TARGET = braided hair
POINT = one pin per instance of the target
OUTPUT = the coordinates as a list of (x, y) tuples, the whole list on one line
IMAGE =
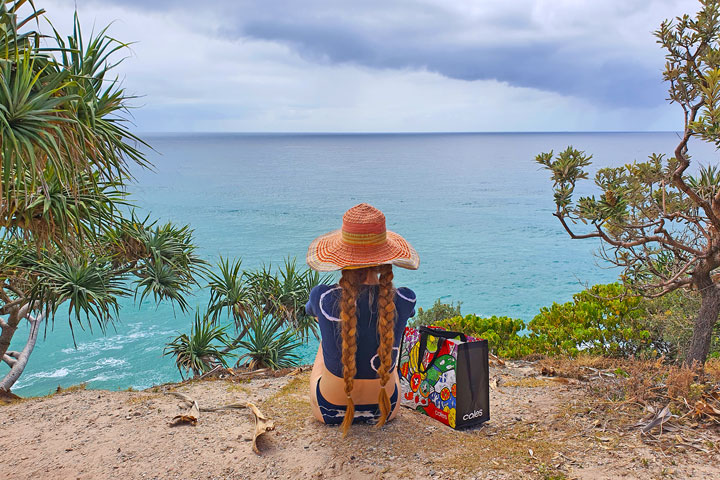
[(350, 283), (386, 332)]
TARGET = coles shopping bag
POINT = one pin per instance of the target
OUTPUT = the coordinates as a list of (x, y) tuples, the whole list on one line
[(445, 375)]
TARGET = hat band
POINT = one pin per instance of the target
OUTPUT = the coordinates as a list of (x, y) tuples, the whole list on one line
[(364, 238)]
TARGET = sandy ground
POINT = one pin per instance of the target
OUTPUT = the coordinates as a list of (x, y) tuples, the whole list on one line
[(540, 428)]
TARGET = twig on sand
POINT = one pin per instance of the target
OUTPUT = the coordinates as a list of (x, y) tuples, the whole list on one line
[(262, 423), (192, 416), (190, 400)]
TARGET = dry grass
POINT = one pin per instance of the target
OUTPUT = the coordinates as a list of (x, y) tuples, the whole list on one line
[(71, 388), (529, 382), (625, 393), (679, 381), (142, 398), (291, 404), (235, 387), (712, 369)]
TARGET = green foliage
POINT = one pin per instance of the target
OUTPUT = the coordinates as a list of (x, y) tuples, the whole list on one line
[(604, 320), (438, 312), (269, 344), (282, 295), (61, 117), (200, 351), (670, 319), (267, 310), (502, 333)]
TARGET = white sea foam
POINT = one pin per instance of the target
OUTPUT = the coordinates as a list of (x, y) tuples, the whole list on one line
[(111, 362), (114, 342), (105, 377), (59, 373), (26, 380)]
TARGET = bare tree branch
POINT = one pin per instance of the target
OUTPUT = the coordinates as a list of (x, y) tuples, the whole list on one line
[(21, 361), (9, 360), (5, 309), (677, 176)]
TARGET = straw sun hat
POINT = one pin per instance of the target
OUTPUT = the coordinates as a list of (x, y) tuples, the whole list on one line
[(363, 241)]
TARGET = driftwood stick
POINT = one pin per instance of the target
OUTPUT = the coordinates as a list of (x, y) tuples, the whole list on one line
[(262, 425)]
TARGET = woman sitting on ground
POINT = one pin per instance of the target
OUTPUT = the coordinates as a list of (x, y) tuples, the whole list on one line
[(362, 320)]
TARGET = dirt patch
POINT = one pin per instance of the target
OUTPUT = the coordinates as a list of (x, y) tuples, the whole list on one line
[(540, 428)]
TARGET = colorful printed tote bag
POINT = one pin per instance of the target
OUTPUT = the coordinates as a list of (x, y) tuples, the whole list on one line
[(444, 375)]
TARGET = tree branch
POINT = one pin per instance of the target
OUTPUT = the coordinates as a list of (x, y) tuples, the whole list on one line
[(667, 240), (22, 359), (5, 309), (570, 232), (667, 289), (684, 163), (9, 360), (642, 241), (14, 289)]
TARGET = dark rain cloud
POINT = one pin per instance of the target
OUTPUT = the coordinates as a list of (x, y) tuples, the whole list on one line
[(419, 35)]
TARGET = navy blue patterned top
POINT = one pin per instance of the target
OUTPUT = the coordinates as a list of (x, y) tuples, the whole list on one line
[(324, 304)]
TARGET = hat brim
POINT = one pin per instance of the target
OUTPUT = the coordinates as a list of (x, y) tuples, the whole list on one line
[(328, 253)]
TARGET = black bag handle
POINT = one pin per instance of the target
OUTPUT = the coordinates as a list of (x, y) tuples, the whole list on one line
[(442, 335), (439, 332)]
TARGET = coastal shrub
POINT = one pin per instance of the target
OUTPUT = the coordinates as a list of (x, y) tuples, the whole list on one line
[(201, 350), (439, 311), (243, 295), (670, 319), (502, 333), (604, 320)]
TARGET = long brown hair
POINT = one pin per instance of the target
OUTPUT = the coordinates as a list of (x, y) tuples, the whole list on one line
[(350, 283)]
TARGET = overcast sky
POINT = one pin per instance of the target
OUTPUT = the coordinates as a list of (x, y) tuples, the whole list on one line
[(389, 65)]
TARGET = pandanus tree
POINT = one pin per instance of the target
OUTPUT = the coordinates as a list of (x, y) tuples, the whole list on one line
[(267, 311), (660, 220), (69, 246)]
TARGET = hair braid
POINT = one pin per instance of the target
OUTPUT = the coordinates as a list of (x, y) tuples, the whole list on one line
[(349, 282), (386, 331)]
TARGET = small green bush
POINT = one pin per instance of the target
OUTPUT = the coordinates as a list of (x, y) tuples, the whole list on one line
[(502, 333), (604, 320), (269, 345), (201, 350), (438, 312), (670, 319)]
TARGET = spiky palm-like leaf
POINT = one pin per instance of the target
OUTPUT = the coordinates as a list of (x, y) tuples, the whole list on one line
[(202, 349), (229, 293), (269, 344), (161, 257), (90, 286)]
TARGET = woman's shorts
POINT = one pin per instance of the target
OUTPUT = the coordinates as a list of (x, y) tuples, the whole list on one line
[(370, 413)]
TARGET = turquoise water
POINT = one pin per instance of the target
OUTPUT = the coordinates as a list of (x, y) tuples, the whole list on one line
[(475, 206)]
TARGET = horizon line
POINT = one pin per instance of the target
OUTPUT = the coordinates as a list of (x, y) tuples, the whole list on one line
[(489, 132)]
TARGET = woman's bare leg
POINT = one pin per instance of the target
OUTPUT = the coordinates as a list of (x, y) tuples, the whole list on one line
[(397, 405), (317, 371)]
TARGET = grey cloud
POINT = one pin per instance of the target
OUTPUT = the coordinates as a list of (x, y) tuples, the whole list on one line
[(538, 65), (417, 35)]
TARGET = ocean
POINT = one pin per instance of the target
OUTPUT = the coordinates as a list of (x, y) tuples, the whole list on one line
[(476, 207)]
